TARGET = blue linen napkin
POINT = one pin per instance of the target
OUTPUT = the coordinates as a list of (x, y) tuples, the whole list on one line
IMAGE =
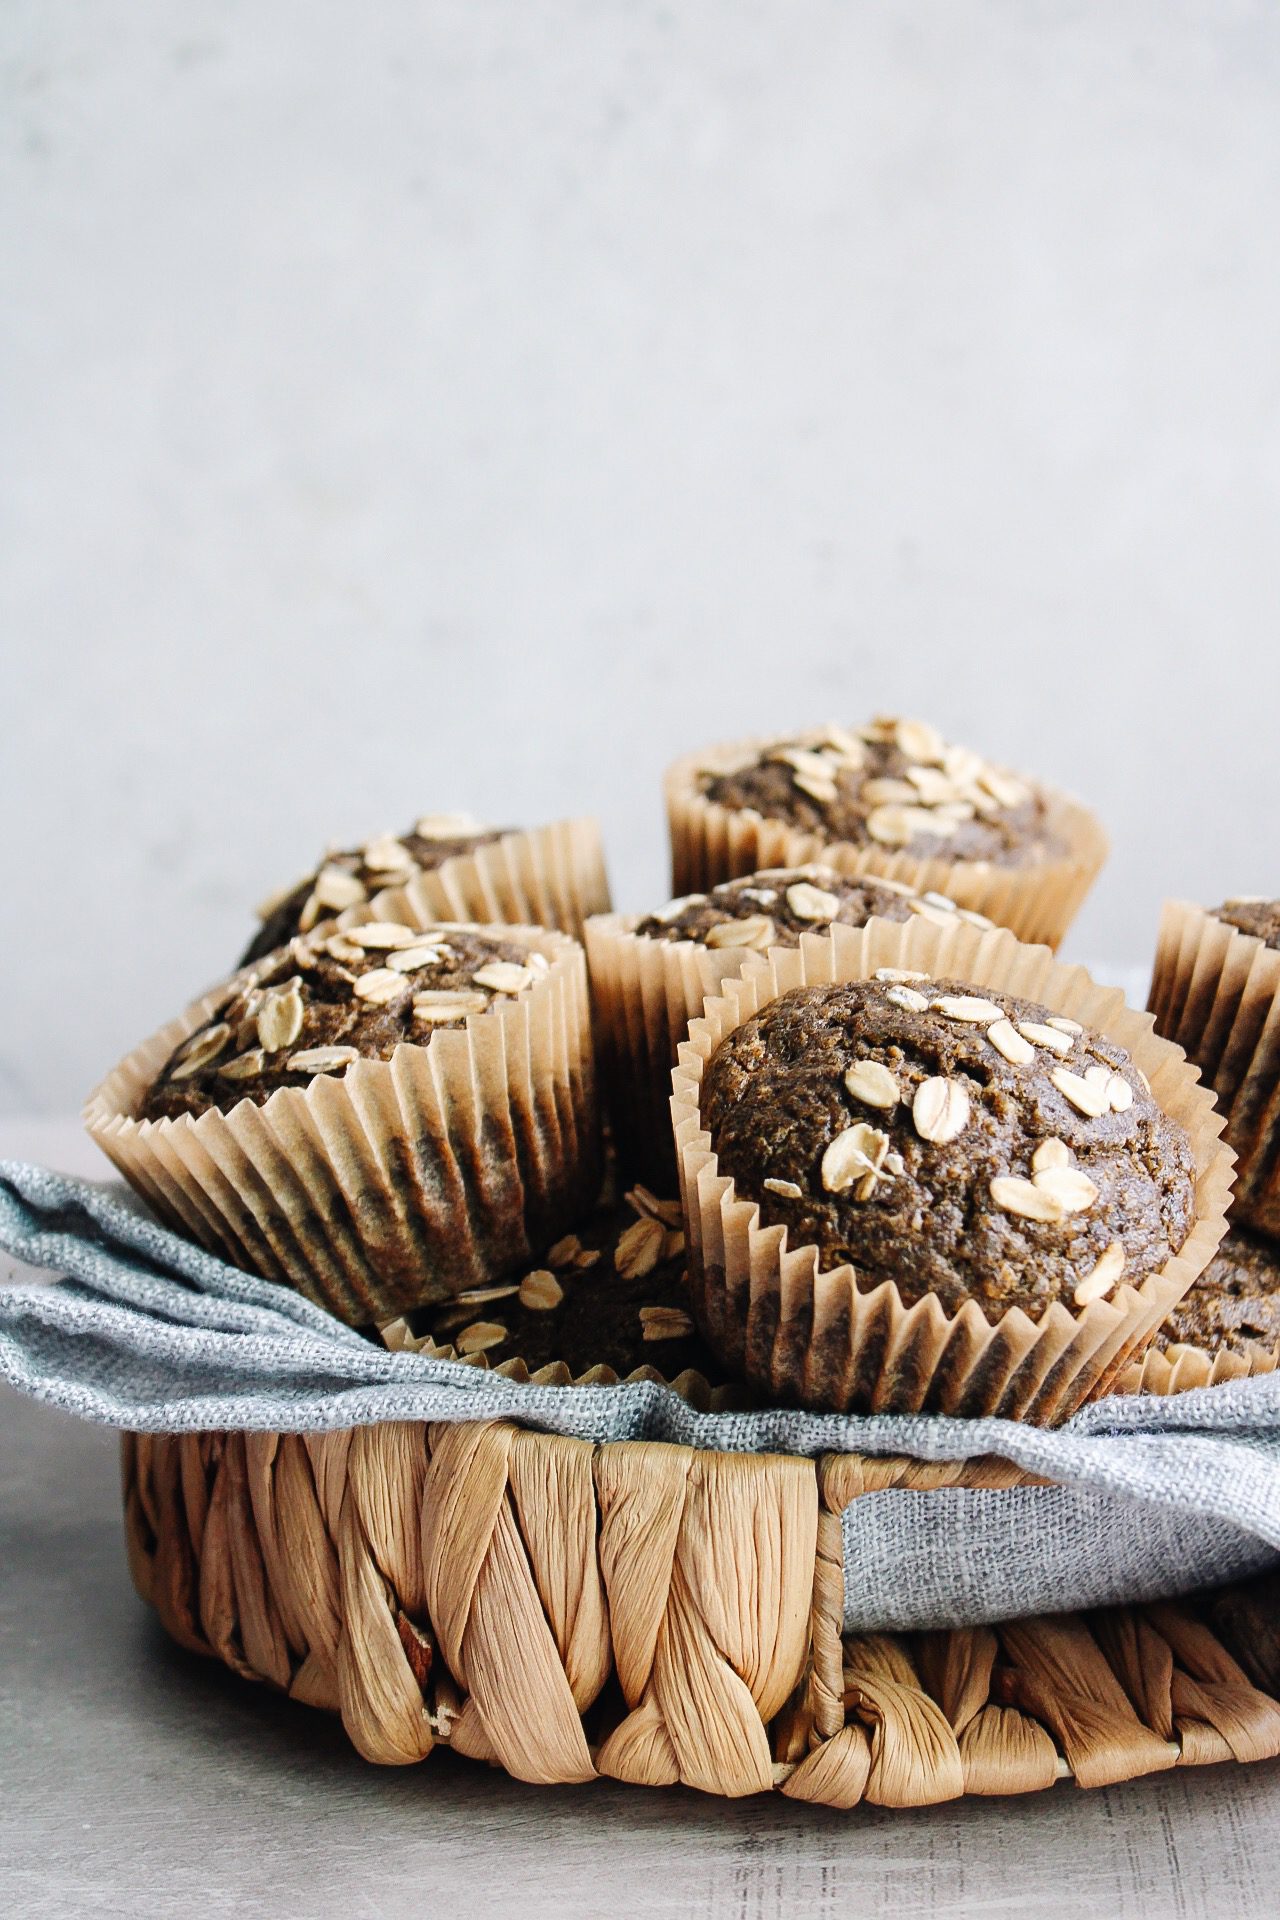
[(1152, 1497)]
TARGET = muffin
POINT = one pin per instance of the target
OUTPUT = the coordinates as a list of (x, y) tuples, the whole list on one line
[(1226, 1328), (379, 1117), (1234, 1304), (608, 1302), (946, 1188), (650, 976), (543, 876), (1215, 991), (892, 799), (1254, 915), (969, 1145), (774, 908), (319, 1004)]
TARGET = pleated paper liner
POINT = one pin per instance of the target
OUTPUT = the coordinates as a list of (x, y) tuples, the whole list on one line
[(606, 1303), (692, 1386), (644, 992), (550, 876), (808, 1337), (409, 1179), (1179, 1367), (1216, 992), (711, 843)]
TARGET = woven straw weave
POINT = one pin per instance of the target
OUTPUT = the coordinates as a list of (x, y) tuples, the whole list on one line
[(656, 1614)]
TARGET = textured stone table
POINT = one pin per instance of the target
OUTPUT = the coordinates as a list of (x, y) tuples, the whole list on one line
[(138, 1780)]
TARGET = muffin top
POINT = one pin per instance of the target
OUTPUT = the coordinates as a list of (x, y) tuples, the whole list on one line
[(613, 1294), (319, 1004), (347, 877), (952, 1139), (897, 785), (1235, 1303), (1250, 913), (773, 908)]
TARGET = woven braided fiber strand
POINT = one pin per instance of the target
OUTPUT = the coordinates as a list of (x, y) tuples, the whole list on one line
[(655, 1613)]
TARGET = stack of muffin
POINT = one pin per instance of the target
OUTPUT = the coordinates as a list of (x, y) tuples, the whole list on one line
[(872, 1146)]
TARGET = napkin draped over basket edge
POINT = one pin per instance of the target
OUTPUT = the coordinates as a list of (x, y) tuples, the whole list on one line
[(1152, 1496)]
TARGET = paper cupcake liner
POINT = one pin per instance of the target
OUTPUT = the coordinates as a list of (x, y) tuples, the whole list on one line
[(1180, 1367), (812, 1338), (550, 876), (692, 1386), (1216, 992), (711, 843), (644, 994), (408, 1180)]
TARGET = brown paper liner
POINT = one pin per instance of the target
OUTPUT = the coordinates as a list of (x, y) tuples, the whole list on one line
[(550, 876), (644, 994), (1216, 993), (711, 843), (813, 1338), (691, 1385), (1179, 1368), (408, 1180)]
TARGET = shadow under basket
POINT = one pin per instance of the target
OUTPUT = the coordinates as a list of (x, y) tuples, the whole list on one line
[(655, 1614)]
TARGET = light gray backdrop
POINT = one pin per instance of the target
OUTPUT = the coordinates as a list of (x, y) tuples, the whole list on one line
[(472, 404)]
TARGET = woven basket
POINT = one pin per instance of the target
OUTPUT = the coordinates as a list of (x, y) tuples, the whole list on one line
[(657, 1614)]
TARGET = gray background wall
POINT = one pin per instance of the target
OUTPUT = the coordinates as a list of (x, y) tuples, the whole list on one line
[(413, 406)]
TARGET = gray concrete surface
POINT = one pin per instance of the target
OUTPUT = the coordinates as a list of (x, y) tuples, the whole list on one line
[(143, 1782)]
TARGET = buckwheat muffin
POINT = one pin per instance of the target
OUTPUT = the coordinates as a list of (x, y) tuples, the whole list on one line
[(1234, 1304), (381, 1116), (607, 1302), (895, 783), (958, 1142), (318, 1005), (461, 870), (650, 976), (1214, 991), (1226, 1328), (892, 798), (774, 908), (908, 1190), (1252, 914)]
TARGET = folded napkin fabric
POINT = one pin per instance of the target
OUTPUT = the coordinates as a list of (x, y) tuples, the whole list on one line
[(145, 1331)]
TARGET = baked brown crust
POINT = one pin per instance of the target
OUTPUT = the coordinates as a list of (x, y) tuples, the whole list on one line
[(352, 875), (613, 1294), (955, 1140), (778, 905), (1255, 916), (1234, 1304), (321, 1003), (896, 784)]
